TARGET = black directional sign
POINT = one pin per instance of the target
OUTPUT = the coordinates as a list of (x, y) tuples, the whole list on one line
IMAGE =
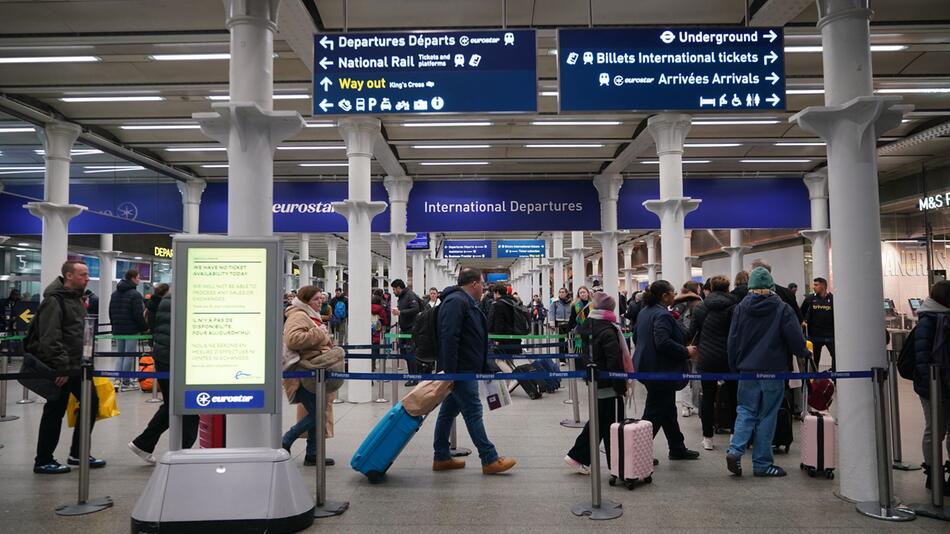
[(687, 69), (425, 72)]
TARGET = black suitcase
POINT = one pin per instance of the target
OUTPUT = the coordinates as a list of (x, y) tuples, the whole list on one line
[(783, 428), (724, 411), (531, 387)]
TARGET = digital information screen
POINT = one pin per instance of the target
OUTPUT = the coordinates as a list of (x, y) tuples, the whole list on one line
[(226, 324)]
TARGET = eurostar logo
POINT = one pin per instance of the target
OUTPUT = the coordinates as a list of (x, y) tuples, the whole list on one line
[(203, 399), (127, 210)]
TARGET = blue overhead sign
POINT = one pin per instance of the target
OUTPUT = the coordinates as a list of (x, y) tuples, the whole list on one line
[(688, 69), (425, 72), (521, 248), (466, 249), (420, 242)]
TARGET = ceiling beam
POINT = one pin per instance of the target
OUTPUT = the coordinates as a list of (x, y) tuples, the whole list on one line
[(642, 140), (778, 12)]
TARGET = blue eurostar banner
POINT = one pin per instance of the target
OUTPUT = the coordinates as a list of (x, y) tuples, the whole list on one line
[(520, 248), (466, 249), (479, 71), (655, 69)]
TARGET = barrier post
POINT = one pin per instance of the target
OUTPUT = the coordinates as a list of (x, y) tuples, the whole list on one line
[(572, 392), (380, 394), (4, 362), (575, 405), (598, 508), (894, 409), (323, 507), (454, 448), (154, 398), (884, 507), (25, 399), (934, 509), (85, 505)]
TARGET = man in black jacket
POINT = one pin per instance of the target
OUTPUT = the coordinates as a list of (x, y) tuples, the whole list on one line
[(145, 443), (503, 319), (127, 313), (408, 306), (463, 348), (59, 344)]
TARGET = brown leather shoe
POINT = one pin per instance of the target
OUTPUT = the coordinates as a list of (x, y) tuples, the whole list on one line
[(500, 465), (447, 465)]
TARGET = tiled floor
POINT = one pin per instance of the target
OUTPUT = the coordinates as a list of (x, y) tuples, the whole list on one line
[(535, 496)]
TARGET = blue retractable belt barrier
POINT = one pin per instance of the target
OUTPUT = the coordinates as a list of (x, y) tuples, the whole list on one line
[(138, 354), (129, 374), (730, 376)]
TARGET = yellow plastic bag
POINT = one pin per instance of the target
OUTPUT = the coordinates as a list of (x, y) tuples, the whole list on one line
[(107, 403)]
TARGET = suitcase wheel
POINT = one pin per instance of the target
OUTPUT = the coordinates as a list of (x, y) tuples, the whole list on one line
[(829, 474), (648, 479), (630, 484), (801, 466), (811, 471), (612, 481), (375, 477)]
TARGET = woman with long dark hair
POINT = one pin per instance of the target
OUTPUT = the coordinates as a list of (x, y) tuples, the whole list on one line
[(660, 348)]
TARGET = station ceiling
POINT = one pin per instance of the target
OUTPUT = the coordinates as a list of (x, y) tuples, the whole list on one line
[(128, 36)]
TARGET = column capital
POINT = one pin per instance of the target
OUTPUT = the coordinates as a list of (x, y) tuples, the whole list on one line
[(735, 250), (248, 119), (682, 204), (830, 11), (558, 261), (882, 113), (631, 270), (51, 209), (359, 134), (605, 237), (608, 186), (398, 188), (669, 131), (109, 254), (391, 237), (191, 190), (650, 240), (817, 184), (815, 235), (627, 249), (58, 138), (354, 209), (579, 250), (240, 12)]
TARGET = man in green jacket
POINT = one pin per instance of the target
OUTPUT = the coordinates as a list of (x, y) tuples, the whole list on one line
[(59, 344)]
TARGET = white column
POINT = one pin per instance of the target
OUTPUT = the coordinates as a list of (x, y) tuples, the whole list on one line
[(817, 184), (850, 122), (688, 254), (381, 272), (418, 269), (332, 269), (669, 131), (578, 266), (360, 135), (288, 272), (628, 269), (191, 204), (558, 262), (736, 251), (251, 131), (398, 189), (55, 211), (107, 258), (651, 264), (304, 262), (608, 190)]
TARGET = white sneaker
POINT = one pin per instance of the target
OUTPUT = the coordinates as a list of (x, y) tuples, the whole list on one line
[(687, 411), (149, 458), (577, 466), (708, 444)]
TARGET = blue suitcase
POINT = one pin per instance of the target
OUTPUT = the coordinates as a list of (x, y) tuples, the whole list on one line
[(385, 442)]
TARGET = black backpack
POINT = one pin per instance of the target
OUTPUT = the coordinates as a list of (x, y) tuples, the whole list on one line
[(31, 341), (907, 359), (425, 335), (521, 318)]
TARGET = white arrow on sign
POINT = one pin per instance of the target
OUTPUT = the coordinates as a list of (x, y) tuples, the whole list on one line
[(771, 35), (324, 105), (773, 78), (324, 62), (326, 83), (326, 42), (774, 100), (772, 56)]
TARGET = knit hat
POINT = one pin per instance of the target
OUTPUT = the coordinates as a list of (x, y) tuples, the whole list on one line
[(760, 278), (602, 301)]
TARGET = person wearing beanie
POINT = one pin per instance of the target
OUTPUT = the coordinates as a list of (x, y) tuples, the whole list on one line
[(602, 343), (764, 331)]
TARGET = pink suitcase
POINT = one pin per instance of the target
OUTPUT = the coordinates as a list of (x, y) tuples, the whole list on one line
[(631, 452), (818, 445)]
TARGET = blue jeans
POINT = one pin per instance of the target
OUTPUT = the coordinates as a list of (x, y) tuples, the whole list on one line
[(307, 424), (464, 399), (128, 364), (758, 404)]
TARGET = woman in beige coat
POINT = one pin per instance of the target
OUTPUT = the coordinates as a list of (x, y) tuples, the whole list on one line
[(307, 346)]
